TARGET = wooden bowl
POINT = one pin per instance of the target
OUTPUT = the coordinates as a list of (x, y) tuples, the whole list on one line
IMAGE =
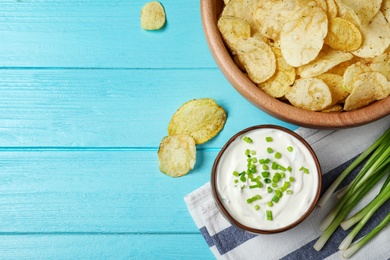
[(210, 12), (217, 170)]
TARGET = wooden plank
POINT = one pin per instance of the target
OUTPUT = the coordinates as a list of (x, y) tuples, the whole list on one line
[(127, 108), (114, 191), (104, 246), (100, 34)]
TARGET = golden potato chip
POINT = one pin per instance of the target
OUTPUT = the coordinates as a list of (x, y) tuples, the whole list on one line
[(376, 37), (233, 28), (176, 155), (352, 74), (152, 16), (340, 69), (257, 58), (202, 119), (380, 64), (241, 9), (334, 108), (332, 8), (369, 87), (302, 38), (366, 10), (343, 35), (385, 9), (324, 62), (335, 85), (309, 93), (279, 84)]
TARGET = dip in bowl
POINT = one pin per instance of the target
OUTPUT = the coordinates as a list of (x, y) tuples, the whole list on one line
[(266, 179)]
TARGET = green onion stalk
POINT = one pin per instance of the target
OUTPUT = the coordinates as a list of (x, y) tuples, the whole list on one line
[(384, 138), (377, 160), (338, 218), (355, 246), (365, 214)]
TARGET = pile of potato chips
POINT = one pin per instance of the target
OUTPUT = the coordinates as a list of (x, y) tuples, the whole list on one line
[(319, 55), (195, 122)]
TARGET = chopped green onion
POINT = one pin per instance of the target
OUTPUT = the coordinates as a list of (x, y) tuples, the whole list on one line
[(278, 193), (278, 155), (235, 181), (275, 185), (265, 174), (247, 139), (254, 198), (276, 177), (269, 189), (291, 179), (280, 167), (282, 175), (286, 185), (247, 152), (289, 192), (270, 150), (290, 148), (270, 204), (264, 161), (269, 215), (265, 167), (257, 207), (289, 168), (269, 139), (275, 199), (253, 152), (274, 166), (304, 170), (243, 178), (236, 173)]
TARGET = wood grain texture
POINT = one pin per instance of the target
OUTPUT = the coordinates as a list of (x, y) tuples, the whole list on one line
[(85, 99)]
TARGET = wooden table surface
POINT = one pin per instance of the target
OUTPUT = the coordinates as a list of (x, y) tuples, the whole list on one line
[(86, 96)]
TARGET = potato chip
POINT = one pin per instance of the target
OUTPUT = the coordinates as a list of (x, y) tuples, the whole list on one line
[(369, 87), (334, 108), (332, 8), (241, 9), (257, 58), (335, 85), (302, 38), (202, 119), (176, 155), (343, 35), (309, 93), (352, 74), (233, 28), (376, 37), (380, 64), (152, 16), (342, 67), (324, 62), (279, 84), (385, 9), (366, 10)]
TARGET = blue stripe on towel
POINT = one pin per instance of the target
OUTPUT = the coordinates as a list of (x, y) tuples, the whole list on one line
[(223, 240)]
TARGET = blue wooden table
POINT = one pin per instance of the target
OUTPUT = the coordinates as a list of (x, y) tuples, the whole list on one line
[(86, 96)]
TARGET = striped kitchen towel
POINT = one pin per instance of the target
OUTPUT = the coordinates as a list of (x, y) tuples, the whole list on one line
[(335, 149)]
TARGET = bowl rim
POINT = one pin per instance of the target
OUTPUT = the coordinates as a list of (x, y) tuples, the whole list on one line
[(286, 112), (225, 212)]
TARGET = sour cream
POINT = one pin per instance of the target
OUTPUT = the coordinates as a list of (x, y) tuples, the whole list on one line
[(296, 161)]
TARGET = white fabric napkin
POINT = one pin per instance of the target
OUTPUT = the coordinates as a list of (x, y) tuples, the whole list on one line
[(335, 149)]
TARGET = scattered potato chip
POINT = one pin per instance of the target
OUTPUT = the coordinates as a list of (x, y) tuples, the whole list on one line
[(380, 64), (152, 16), (369, 87), (202, 119), (302, 38), (335, 85), (366, 10), (310, 93), (279, 84), (257, 58), (177, 155), (324, 62), (343, 35), (233, 28), (376, 37)]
